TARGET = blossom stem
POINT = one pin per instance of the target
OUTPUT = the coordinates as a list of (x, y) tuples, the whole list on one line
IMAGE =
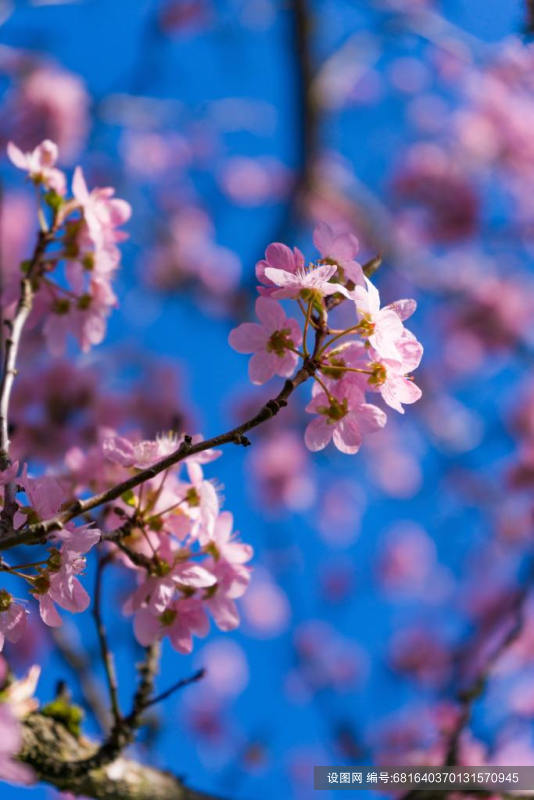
[(330, 367), (338, 336), (305, 332), (324, 388)]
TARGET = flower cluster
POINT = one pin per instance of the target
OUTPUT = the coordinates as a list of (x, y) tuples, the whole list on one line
[(172, 534), (376, 353), (52, 580), (73, 280)]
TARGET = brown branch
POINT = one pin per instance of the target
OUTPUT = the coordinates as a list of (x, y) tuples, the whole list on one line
[(529, 25), (308, 121), (123, 732), (12, 344), (468, 697), (49, 747), (105, 652), (38, 532), (181, 684), (477, 687)]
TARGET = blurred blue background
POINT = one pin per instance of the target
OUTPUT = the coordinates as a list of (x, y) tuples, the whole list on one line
[(244, 51)]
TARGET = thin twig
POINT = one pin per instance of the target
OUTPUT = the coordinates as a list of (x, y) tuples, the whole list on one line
[(105, 652), (197, 676)]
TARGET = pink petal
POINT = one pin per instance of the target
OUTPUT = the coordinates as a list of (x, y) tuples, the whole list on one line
[(48, 612), (248, 338), (410, 351), (370, 418), (79, 186), (16, 156), (318, 433), (261, 367), (286, 364), (146, 627), (181, 640), (322, 238), (282, 257), (281, 278), (46, 153), (404, 308), (224, 612), (347, 436), (323, 273), (270, 314)]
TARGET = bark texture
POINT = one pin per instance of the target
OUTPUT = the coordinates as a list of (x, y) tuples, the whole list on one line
[(49, 747)]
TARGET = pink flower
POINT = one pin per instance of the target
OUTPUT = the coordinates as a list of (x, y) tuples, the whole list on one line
[(223, 544), (270, 341), (227, 564), (278, 256), (305, 284), (12, 770), (39, 164), (179, 622), (85, 318), (340, 249), (102, 212), (382, 327), (344, 416), (390, 380), (12, 619), (157, 593), (139, 454), (61, 587)]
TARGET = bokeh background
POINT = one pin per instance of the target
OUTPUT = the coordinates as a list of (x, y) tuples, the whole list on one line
[(384, 582)]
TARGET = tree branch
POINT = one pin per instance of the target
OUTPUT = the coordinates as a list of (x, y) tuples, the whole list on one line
[(105, 652), (12, 344), (38, 532), (49, 748)]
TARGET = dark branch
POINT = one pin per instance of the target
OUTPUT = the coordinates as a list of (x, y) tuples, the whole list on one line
[(49, 747)]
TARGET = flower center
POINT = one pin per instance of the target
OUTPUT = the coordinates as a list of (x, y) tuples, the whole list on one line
[(379, 374), (5, 600), (336, 369), (279, 342), (167, 617), (335, 411), (366, 327), (192, 498)]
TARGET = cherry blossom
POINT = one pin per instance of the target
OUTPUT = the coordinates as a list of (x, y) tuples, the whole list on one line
[(39, 164), (278, 256), (381, 327), (343, 415), (314, 283), (12, 618), (341, 249), (272, 341)]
